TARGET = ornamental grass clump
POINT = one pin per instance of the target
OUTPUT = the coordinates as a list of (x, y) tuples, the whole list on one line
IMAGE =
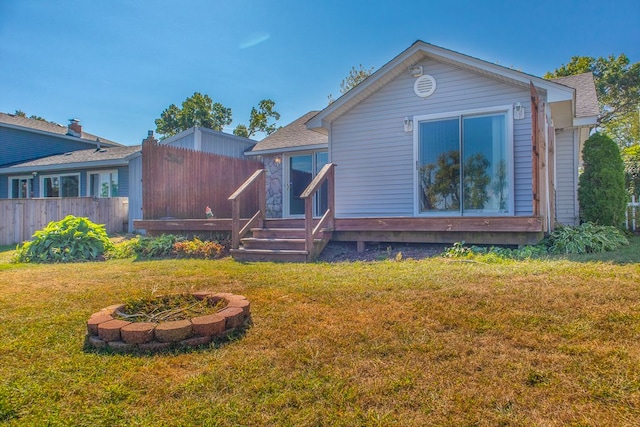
[(71, 239), (168, 308)]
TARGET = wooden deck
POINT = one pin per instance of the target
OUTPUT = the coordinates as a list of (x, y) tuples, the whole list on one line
[(475, 230)]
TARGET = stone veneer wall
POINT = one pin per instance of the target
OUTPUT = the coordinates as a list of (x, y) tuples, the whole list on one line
[(274, 185), (105, 331)]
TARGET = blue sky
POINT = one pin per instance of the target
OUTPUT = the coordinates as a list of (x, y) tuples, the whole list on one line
[(116, 65)]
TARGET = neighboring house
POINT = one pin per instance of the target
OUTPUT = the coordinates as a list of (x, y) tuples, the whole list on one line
[(210, 141), (24, 145), (45, 162), (96, 172), (440, 146)]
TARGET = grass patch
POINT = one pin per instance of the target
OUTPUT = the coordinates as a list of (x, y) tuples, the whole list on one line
[(411, 343)]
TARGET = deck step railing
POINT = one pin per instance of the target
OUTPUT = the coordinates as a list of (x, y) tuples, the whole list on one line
[(327, 173), (237, 233)]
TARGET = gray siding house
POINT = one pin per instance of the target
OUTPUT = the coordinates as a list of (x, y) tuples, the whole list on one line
[(210, 141), (454, 145)]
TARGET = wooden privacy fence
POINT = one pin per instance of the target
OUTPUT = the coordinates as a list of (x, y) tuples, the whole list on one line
[(20, 218), (180, 183)]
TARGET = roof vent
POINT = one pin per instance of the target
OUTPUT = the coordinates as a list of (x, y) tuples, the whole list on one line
[(424, 86)]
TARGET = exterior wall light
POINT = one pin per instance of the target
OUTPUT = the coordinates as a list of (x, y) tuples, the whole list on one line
[(408, 124)]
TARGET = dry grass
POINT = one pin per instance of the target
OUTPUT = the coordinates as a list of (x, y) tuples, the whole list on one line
[(411, 343)]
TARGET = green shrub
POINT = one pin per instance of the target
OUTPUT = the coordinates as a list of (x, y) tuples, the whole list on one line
[(156, 247), (166, 246), (493, 254), (601, 189), (586, 238), (68, 240), (124, 249)]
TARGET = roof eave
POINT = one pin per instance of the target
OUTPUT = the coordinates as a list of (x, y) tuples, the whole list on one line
[(65, 166), (287, 149), (57, 135), (585, 121)]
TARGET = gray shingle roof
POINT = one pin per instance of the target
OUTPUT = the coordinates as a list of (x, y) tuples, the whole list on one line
[(84, 156), (49, 127), (586, 96), (295, 134)]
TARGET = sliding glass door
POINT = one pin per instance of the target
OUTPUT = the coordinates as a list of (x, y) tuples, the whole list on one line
[(300, 171), (463, 165)]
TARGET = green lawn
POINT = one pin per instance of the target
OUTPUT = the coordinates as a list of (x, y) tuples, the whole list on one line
[(410, 343)]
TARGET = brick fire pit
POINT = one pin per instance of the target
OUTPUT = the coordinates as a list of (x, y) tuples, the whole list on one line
[(104, 330)]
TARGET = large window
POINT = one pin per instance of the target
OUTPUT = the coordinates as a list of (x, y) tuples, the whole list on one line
[(103, 184), (463, 164), (61, 185), (21, 187)]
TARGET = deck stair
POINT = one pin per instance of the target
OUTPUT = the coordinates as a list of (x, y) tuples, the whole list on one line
[(284, 244), (288, 239)]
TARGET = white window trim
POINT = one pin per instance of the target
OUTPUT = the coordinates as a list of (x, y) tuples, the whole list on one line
[(10, 185), (59, 176), (97, 172), (503, 109)]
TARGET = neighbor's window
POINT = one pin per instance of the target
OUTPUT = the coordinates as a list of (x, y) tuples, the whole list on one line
[(463, 166), (61, 186), (21, 187), (103, 184)]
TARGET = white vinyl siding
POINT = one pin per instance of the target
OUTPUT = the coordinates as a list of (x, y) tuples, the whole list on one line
[(375, 173), (566, 178)]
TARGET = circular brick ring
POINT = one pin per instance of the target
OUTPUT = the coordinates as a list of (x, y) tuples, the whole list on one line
[(105, 331)]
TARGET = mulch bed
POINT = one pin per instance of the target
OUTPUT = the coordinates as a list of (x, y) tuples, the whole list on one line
[(346, 251)]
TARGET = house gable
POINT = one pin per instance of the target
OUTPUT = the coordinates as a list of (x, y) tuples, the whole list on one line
[(420, 51), (376, 158)]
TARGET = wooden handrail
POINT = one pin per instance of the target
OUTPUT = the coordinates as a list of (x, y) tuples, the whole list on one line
[(327, 173), (246, 184), (258, 178)]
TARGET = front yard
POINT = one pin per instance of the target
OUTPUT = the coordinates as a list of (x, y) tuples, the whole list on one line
[(408, 343)]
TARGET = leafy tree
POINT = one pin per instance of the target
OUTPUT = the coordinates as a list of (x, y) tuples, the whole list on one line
[(618, 88), (197, 110), (601, 191), (440, 182), (476, 181), (259, 120), (352, 80), (20, 113), (499, 184)]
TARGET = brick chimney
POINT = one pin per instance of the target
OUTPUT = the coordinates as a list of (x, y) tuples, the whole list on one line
[(150, 138), (74, 128)]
